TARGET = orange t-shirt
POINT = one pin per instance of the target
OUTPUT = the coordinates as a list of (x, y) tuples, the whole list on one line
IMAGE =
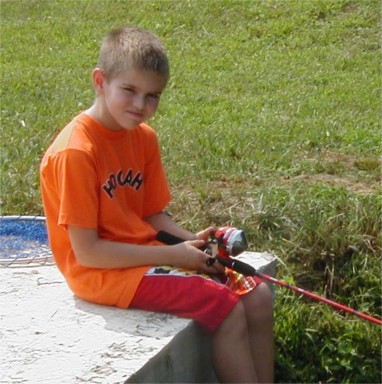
[(94, 177)]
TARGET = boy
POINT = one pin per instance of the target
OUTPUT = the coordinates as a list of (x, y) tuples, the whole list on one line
[(104, 191)]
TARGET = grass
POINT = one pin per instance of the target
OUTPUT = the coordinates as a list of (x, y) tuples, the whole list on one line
[(271, 122)]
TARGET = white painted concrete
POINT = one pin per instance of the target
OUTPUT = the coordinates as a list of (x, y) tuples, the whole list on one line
[(47, 335)]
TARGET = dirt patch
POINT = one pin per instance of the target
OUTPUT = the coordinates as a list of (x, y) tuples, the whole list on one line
[(350, 183), (356, 174)]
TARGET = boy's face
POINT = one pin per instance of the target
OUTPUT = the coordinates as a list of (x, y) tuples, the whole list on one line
[(129, 98)]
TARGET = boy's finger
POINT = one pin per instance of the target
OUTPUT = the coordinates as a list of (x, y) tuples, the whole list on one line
[(197, 243)]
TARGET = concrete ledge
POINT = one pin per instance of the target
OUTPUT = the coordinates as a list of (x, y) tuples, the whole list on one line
[(49, 336), (186, 359)]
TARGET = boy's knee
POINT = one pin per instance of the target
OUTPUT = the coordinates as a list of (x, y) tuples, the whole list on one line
[(260, 301), (236, 318), (265, 293)]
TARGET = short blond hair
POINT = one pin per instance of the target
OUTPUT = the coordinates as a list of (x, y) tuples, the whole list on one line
[(132, 47)]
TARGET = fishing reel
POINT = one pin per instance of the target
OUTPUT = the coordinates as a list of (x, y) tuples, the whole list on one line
[(225, 244), (230, 241)]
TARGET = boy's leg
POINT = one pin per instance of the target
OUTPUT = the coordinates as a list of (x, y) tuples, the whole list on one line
[(185, 294), (212, 305), (231, 350), (259, 312)]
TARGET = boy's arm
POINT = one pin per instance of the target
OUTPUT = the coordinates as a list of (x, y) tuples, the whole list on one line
[(163, 222), (94, 252)]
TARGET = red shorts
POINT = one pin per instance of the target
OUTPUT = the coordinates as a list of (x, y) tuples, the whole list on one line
[(185, 294)]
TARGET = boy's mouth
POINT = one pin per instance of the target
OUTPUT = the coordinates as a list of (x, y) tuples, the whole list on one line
[(137, 115)]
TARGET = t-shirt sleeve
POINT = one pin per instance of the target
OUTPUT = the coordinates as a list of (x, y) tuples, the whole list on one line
[(157, 191), (77, 188)]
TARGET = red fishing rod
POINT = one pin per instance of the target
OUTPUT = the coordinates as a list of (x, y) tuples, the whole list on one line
[(318, 298), (248, 270), (228, 241)]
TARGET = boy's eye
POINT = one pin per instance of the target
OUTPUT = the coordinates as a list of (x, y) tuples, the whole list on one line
[(130, 90)]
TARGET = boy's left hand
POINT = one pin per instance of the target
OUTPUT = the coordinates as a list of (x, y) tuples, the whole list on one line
[(206, 233)]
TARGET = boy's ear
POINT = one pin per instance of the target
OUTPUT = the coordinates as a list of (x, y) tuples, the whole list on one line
[(98, 78)]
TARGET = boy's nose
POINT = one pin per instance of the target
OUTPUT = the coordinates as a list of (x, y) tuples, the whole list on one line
[(139, 101)]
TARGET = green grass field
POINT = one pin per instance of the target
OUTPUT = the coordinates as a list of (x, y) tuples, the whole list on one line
[(271, 122)]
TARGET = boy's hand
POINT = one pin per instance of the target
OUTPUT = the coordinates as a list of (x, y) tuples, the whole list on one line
[(206, 233), (192, 257)]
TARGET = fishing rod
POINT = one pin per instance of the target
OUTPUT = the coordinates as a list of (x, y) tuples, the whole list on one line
[(318, 298), (229, 242)]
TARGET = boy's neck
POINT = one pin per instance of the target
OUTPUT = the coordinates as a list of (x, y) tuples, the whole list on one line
[(92, 112), (95, 111)]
